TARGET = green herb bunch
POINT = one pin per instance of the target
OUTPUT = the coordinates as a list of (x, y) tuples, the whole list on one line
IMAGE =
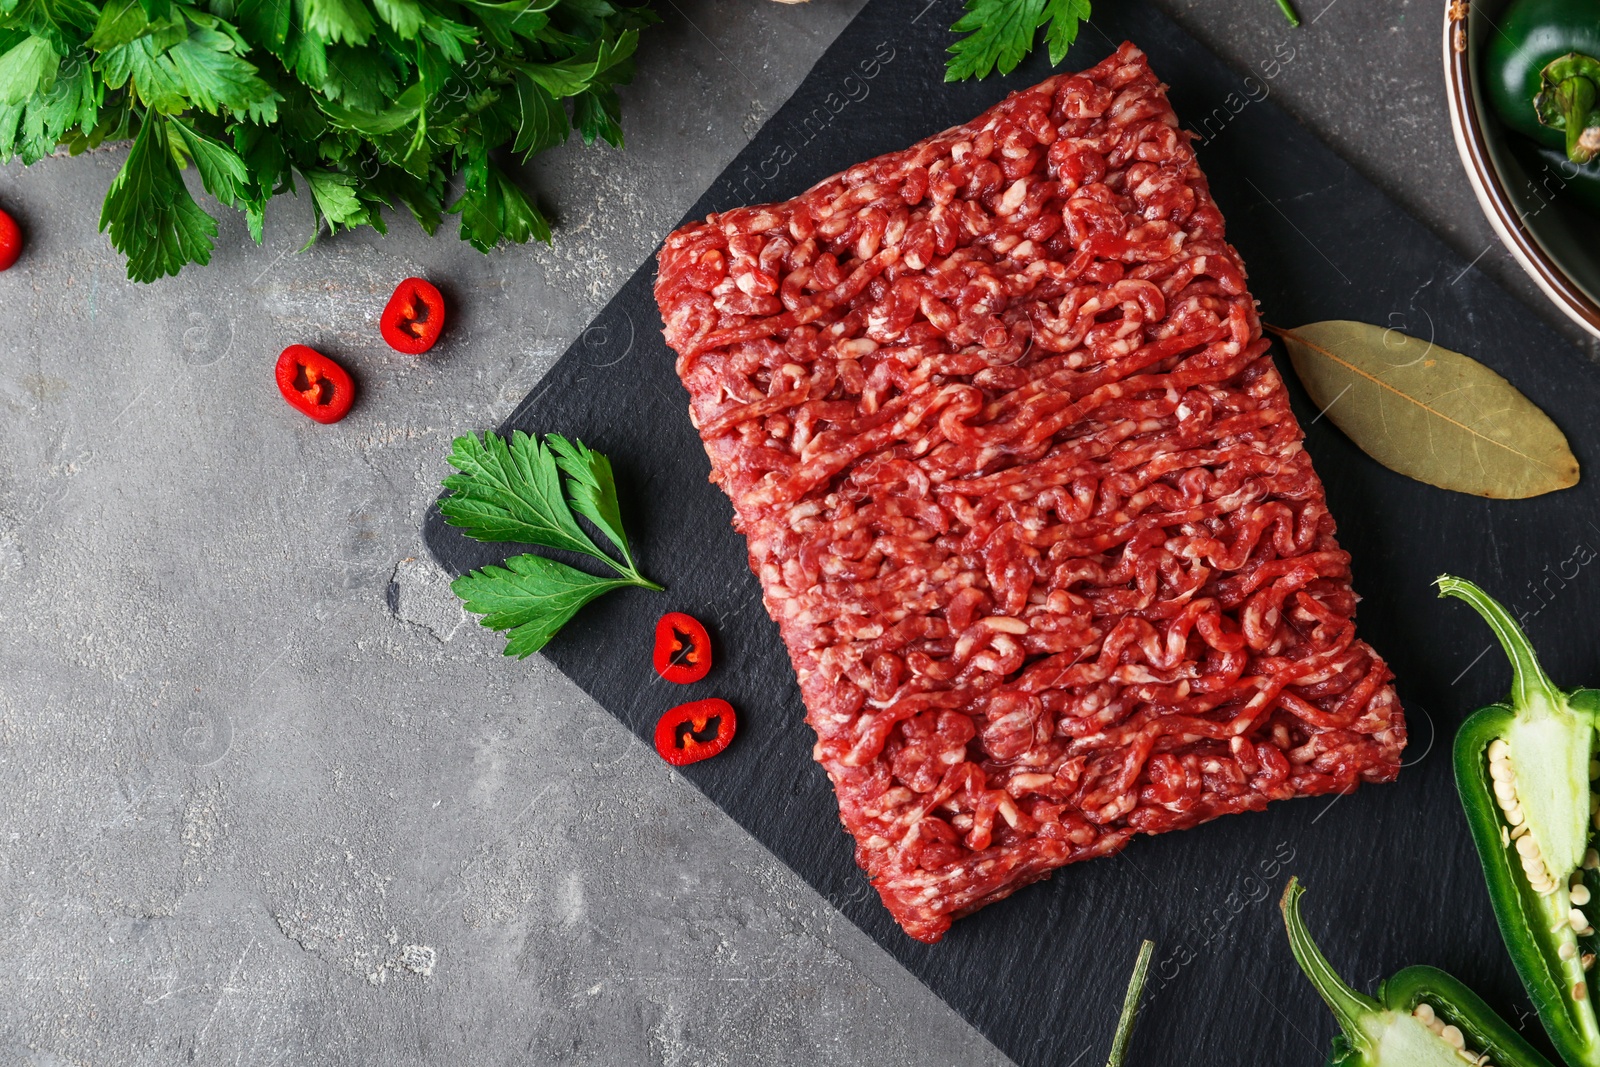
[(367, 104)]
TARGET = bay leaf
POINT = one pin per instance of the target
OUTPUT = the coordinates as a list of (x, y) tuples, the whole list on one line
[(1429, 413)]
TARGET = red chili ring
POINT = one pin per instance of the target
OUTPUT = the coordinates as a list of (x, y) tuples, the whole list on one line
[(683, 648), (10, 241), (413, 317), (314, 385), (692, 732)]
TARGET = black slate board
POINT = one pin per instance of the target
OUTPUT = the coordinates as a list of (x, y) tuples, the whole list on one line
[(1392, 874)]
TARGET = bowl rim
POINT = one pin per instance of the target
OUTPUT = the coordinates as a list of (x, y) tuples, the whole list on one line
[(1509, 226)]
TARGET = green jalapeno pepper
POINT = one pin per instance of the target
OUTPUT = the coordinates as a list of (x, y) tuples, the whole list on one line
[(1421, 1017), (1542, 73), (1523, 771)]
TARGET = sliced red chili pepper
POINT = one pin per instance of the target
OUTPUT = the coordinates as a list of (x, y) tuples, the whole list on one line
[(10, 241), (413, 317), (314, 385), (692, 732), (683, 648)]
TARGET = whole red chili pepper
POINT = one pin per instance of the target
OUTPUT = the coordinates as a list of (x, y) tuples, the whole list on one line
[(413, 317), (10, 241), (690, 733), (683, 648), (314, 385)]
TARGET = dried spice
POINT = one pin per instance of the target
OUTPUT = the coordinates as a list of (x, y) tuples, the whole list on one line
[(1429, 413)]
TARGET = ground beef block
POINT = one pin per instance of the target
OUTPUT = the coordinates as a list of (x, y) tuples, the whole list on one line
[(1025, 495)]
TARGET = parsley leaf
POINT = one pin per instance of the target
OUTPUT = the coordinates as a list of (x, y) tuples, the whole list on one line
[(405, 16), (1065, 17), (151, 216), (494, 209), (338, 20), (421, 196), (222, 172), (513, 491), (334, 200), (268, 21), (214, 77), (591, 488), (569, 77), (63, 22), (542, 122), (1001, 32), (27, 69), (121, 22), (532, 597), (598, 113), (33, 130), (143, 65)]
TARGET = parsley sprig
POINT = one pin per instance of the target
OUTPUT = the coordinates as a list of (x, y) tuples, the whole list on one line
[(514, 490), (361, 104), (1001, 32)]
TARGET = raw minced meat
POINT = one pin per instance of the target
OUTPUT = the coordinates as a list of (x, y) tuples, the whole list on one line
[(1025, 495)]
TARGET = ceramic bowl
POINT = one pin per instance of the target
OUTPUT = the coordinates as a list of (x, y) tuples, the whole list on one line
[(1555, 240)]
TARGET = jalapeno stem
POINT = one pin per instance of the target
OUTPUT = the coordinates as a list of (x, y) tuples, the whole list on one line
[(1349, 1007), (1529, 683), (1575, 99), (1289, 12), (1566, 101)]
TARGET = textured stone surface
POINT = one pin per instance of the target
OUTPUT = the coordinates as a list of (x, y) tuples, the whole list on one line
[(268, 800)]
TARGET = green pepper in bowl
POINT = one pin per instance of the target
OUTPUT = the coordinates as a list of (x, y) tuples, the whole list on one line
[(1542, 73)]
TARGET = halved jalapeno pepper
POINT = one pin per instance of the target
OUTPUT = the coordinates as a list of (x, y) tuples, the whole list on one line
[(1523, 771), (1421, 1017)]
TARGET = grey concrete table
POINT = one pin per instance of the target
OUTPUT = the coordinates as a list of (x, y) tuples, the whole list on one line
[(266, 797)]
